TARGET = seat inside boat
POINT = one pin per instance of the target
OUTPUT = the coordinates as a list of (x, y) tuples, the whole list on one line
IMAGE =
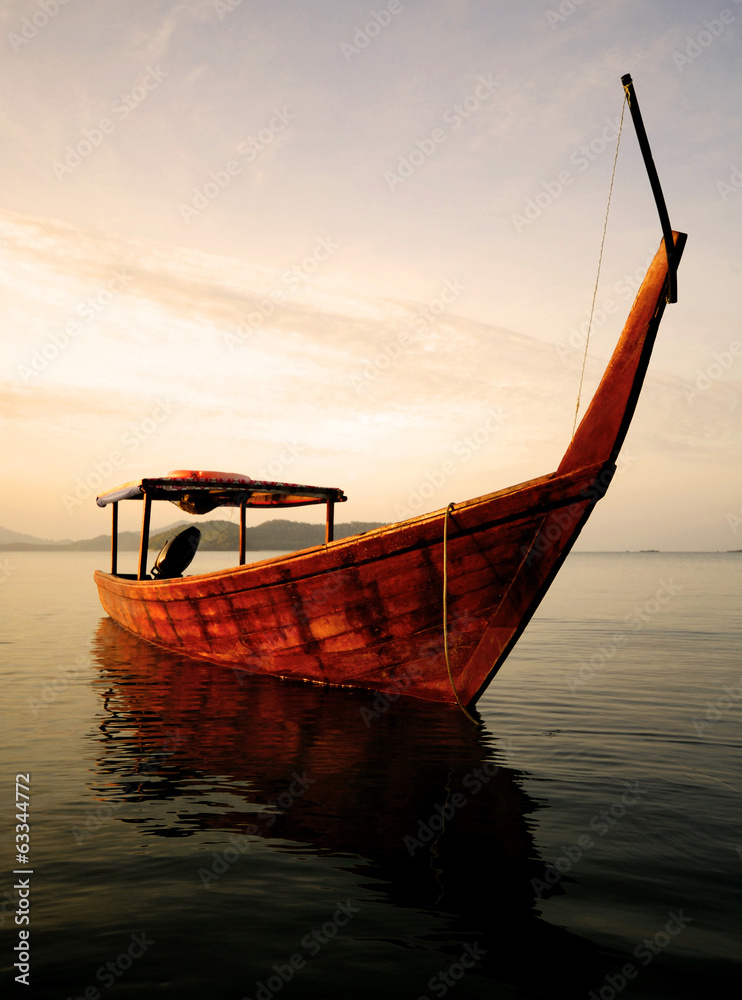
[(176, 554)]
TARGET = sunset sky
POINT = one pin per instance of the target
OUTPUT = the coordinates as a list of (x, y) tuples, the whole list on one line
[(346, 244)]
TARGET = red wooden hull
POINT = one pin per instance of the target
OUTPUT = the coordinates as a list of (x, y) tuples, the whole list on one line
[(367, 611)]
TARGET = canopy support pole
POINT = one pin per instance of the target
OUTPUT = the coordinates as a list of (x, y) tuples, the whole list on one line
[(114, 537), (144, 541), (654, 181), (243, 507), (330, 522)]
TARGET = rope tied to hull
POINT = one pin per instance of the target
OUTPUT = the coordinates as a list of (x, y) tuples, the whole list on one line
[(463, 708), (600, 261)]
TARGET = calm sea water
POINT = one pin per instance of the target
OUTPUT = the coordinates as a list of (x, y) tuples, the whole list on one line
[(197, 833)]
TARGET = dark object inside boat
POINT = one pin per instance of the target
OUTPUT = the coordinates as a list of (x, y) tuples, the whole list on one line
[(177, 554)]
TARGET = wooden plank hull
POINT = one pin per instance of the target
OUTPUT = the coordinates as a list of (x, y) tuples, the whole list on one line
[(368, 611)]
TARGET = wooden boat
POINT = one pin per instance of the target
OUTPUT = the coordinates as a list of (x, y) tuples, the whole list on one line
[(429, 607)]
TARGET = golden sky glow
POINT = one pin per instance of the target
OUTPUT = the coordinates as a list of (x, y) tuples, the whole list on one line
[(237, 236)]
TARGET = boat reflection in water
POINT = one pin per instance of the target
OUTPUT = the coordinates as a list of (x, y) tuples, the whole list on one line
[(413, 804)]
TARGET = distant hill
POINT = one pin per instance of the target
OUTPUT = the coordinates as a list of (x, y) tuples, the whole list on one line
[(128, 541), (277, 534), (216, 536), (12, 537)]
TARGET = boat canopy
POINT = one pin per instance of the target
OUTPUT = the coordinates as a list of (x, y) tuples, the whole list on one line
[(198, 492), (201, 492)]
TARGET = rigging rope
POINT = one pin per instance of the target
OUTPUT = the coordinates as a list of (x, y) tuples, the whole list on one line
[(600, 261), (445, 614)]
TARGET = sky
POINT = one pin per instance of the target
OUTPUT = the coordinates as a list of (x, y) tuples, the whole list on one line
[(352, 244)]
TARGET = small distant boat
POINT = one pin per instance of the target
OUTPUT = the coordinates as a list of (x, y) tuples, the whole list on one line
[(429, 607)]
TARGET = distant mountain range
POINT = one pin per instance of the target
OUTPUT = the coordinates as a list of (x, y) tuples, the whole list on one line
[(218, 536), (6, 535)]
